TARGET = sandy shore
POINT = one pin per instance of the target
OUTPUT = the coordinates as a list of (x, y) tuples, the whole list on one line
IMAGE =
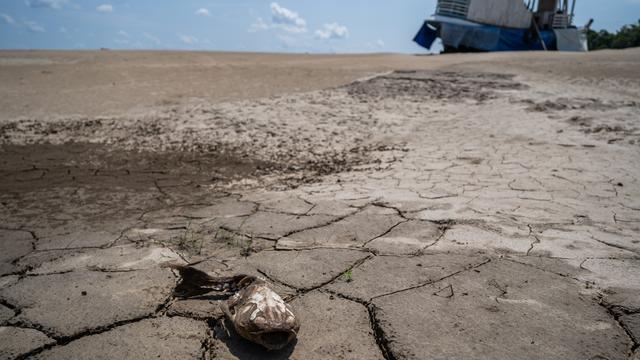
[(45, 84), (447, 207)]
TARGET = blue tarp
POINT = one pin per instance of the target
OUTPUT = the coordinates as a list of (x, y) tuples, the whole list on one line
[(426, 36), (484, 37)]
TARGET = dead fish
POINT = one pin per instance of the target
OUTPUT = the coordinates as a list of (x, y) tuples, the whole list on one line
[(257, 312)]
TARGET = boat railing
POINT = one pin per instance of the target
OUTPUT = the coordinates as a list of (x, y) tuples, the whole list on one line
[(454, 8), (560, 21)]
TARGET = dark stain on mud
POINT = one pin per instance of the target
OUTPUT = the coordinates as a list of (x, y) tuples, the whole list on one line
[(40, 166), (35, 166), (620, 127), (435, 85), (578, 103)]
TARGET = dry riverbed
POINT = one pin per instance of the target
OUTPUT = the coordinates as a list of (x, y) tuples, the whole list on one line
[(408, 207)]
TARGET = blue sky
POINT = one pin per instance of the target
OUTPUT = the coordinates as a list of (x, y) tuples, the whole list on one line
[(241, 25)]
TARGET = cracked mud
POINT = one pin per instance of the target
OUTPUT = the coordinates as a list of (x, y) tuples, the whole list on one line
[(452, 212)]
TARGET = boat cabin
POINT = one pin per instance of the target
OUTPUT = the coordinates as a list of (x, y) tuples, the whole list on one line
[(517, 14)]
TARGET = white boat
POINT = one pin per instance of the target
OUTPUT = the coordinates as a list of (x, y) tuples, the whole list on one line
[(503, 25)]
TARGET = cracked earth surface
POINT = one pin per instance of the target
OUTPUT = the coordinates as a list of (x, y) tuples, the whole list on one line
[(441, 214)]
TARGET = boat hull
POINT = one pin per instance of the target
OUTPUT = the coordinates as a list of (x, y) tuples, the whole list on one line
[(461, 35)]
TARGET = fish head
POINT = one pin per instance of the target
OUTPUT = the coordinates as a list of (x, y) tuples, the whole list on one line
[(264, 318)]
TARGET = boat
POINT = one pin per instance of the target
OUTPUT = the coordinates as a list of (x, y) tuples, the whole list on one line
[(503, 25)]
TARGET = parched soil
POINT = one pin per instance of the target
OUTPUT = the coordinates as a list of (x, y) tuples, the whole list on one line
[(454, 207)]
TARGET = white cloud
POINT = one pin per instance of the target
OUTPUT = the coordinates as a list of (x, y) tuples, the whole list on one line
[(52, 4), (189, 40), (281, 18), (281, 15), (332, 31), (287, 20), (123, 33), (33, 26), (8, 19), (152, 38), (203, 12), (259, 25), (105, 8), (28, 24)]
